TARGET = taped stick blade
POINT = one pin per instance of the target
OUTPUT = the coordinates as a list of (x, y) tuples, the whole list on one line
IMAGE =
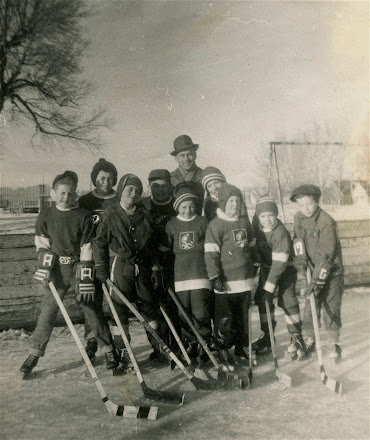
[(163, 396), (332, 384), (217, 385), (137, 412)]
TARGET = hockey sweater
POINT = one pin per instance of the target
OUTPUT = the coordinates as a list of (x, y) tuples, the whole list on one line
[(228, 253), (275, 250), (63, 232), (186, 239)]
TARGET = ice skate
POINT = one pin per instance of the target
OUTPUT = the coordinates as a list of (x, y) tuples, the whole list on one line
[(263, 345), (91, 348), (226, 360), (297, 348), (243, 353), (335, 353), (29, 364), (112, 360)]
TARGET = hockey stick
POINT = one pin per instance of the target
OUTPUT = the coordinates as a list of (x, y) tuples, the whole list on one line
[(199, 384), (197, 373), (145, 412), (221, 374), (330, 383), (250, 373), (283, 378), (149, 393)]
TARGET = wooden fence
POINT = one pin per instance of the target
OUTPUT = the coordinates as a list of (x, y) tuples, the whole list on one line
[(20, 294)]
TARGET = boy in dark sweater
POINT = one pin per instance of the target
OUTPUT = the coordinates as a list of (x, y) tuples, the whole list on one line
[(104, 178), (318, 233), (275, 251), (229, 262), (185, 237), (64, 254)]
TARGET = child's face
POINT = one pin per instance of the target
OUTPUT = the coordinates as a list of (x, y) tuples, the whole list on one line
[(104, 183), (130, 196), (232, 207), (307, 205), (161, 190), (213, 187), (187, 209), (65, 195), (267, 219)]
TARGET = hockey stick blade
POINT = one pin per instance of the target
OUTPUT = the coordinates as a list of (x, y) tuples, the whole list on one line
[(149, 393), (198, 383), (146, 412), (230, 384)]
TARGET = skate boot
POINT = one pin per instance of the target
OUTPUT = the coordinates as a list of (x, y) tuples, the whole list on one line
[(297, 348), (335, 352), (310, 344), (91, 348), (29, 364), (155, 355), (112, 360), (125, 360), (243, 353), (227, 361), (202, 357), (191, 349), (263, 345)]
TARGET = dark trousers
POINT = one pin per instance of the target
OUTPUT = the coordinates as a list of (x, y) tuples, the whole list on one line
[(328, 305), (287, 300), (99, 295), (231, 319), (197, 306), (138, 289), (64, 276)]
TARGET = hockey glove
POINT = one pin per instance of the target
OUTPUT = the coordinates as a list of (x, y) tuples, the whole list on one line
[(218, 285), (300, 259), (46, 261), (85, 287), (319, 276), (267, 296)]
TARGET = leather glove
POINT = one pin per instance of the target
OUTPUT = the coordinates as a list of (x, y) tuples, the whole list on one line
[(156, 279), (46, 261), (319, 276), (85, 287), (218, 285)]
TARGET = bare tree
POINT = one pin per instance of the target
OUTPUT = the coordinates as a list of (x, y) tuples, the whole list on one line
[(41, 48)]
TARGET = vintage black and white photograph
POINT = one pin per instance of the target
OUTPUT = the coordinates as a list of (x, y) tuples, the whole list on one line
[(184, 220)]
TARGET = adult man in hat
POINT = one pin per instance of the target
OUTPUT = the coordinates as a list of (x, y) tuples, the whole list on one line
[(187, 170)]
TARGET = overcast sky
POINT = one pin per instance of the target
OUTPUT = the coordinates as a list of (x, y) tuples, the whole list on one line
[(232, 75)]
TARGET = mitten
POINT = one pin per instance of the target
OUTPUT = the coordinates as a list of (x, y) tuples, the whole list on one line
[(218, 285)]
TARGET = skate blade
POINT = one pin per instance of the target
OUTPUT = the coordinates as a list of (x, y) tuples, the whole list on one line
[(119, 371)]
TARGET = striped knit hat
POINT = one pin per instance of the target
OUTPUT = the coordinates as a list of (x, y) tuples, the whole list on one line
[(209, 174), (266, 204), (129, 179), (225, 192), (182, 195)]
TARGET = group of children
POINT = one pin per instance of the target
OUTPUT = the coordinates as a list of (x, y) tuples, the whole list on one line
[(147, 245)]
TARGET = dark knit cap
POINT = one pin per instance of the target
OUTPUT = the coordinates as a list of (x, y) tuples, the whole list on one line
[(106, 166), (129, 179), (266, 204), (66, 177), (159, 174), (209, 174), (306, 190), (184, 194), (225, 192)]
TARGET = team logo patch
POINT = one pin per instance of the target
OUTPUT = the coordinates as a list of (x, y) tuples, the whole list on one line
[(96, 219), (240, 237), (186, 240)]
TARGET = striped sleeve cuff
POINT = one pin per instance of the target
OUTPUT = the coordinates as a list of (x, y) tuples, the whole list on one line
[(269, 287), (280, 256), (211, 247)]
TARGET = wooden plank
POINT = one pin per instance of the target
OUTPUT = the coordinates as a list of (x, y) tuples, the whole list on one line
[(16, 241), (17, 279), (357, 269), (357, 252), (356, 279), (346, 229), (18, 254), (355, 242), (8, 267)]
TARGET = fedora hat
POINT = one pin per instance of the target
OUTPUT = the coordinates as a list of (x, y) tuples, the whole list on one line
[(183, 143)]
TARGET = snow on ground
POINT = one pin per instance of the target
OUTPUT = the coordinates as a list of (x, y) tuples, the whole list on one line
[(61, 402)]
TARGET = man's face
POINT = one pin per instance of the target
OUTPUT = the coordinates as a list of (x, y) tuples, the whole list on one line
[(186, 159), (213, 186), (267, 219), (187, 209), (232, 207), (130, 196), (307, 205), (65, 195), (161, 190), (104, 183)]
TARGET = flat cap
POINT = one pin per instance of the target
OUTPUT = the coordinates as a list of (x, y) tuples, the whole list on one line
[(306, 190), (159, 174)]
